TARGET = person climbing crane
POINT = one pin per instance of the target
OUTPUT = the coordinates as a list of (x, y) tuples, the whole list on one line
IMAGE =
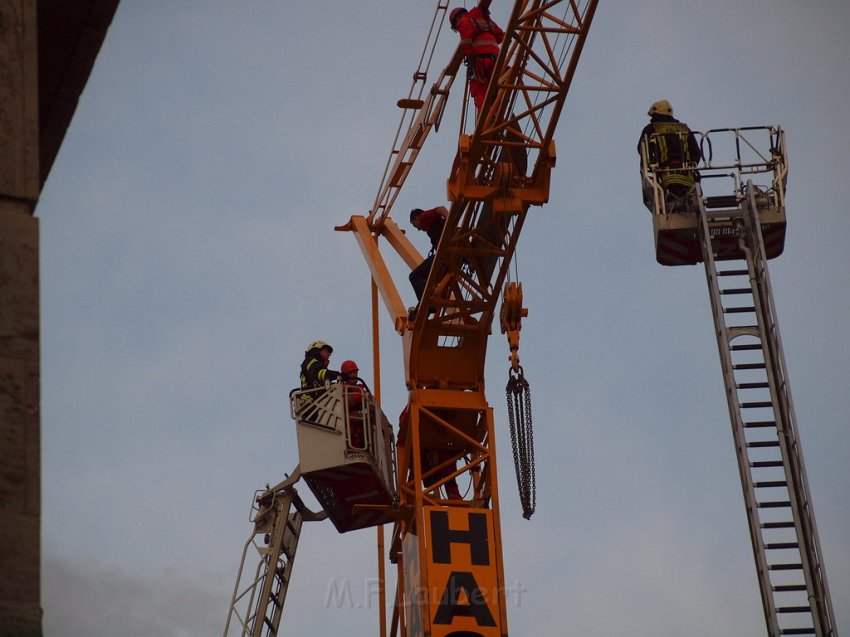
[(480, 39), (432, 222)]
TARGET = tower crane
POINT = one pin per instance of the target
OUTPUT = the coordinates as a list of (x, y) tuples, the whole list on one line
[(733, 224), (448, 552)]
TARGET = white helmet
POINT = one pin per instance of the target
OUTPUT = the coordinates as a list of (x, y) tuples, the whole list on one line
[(661, 107), (319, 345)]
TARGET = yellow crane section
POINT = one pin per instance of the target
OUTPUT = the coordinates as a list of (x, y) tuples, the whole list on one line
[(449, 551)]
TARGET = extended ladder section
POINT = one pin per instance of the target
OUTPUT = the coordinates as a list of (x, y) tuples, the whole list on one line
[(258, 597), (791, 575)]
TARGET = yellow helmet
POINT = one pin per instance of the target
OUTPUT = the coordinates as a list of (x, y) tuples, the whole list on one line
[(319, 345), (661, 107)]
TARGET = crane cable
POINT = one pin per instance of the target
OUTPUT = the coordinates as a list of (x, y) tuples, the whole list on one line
[(522, 438)]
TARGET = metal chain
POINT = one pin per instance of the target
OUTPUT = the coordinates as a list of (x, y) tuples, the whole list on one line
[(522, 439)]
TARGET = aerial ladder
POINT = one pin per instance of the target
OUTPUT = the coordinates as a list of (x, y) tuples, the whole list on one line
[(257, 604), (346, 457), (450, 577), (733, 222)]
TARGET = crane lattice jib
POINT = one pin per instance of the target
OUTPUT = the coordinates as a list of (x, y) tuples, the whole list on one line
[(499, 171), (420, 114), (536, 65)]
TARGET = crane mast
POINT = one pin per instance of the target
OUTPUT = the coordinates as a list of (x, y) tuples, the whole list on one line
[(449, 552)]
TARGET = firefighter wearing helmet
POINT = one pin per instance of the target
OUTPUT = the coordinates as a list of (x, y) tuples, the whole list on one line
[(314, 369), (671, 146), (349, 370)]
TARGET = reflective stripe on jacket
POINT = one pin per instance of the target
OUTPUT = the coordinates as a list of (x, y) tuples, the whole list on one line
[(314, 373), (672, 146)]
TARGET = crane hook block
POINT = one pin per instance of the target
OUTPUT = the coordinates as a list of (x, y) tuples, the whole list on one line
[(511, 316)]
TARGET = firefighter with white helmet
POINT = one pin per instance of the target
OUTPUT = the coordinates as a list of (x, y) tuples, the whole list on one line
[(672, 147), (314, 369)]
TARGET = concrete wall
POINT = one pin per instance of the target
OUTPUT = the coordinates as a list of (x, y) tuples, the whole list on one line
[(20, 500), (20, 497)]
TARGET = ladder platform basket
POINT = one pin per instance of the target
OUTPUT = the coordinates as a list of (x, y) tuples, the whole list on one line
[(346, 453)]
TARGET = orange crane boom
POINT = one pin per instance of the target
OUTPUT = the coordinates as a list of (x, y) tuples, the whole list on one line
[(449, 552)]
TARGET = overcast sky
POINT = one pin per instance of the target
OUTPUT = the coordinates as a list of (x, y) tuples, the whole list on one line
[(188, 256)]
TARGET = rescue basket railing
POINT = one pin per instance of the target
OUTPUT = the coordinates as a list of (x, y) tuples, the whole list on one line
[(349, 410), (742, 153)]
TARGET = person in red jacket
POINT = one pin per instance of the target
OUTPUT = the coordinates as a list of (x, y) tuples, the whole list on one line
[(356, 402), (480, 38), (431, 222)]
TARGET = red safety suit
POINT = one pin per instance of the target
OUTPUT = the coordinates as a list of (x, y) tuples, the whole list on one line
[(356, 401), (480, 38)]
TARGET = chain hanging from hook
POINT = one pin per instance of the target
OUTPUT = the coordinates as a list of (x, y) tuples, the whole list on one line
[(519, 400), (522, 439)]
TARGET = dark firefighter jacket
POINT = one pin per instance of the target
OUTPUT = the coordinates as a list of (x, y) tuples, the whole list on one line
[(313, 371), (674, 146)]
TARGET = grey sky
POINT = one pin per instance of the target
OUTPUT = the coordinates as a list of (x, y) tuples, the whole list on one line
[(188, 255)]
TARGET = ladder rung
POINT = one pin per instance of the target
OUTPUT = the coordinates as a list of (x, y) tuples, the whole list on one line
[(789, 588), (741, 348), (761, 464), (737, 291), (796, 631), (770, 483), (748, 366), (763, 443), (777, 525), (776, 546), (757, 404), (794, 609), (733, 273), (721, 201), (752, 385), (759, 423), (785, 567), (738, 310), (774, 504)]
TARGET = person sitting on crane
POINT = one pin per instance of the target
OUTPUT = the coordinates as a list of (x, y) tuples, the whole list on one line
[(671, 145), (314, 369), (355, 400), (480, 38), (432, 222)]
